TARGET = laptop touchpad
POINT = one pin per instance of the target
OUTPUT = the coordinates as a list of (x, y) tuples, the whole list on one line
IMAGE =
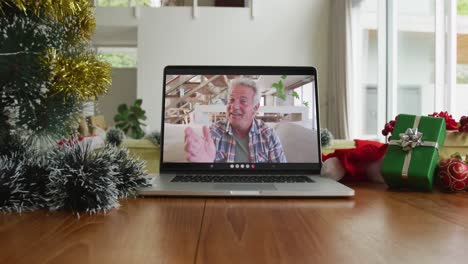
[(244, 187)]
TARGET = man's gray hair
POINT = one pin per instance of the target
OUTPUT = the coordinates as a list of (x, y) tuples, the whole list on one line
[(248, 83)]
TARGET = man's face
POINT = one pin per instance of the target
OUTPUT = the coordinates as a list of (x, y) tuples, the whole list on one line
[(241, 108)]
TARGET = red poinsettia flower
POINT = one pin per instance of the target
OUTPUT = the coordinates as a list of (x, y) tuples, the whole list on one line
[(450, 123), (388, 128), (463, 124), (71, 141)]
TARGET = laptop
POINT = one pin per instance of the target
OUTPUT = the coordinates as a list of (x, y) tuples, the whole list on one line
[(241, 131)]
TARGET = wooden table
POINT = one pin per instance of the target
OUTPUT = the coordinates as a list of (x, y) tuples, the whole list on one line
[(376, 226)]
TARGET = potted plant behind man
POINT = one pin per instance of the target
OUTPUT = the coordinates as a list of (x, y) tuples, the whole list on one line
[(130, 120)]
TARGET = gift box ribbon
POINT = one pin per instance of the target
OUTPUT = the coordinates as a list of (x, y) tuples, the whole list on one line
[(409, 140)]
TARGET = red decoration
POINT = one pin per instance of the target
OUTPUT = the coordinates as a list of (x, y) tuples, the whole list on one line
[(356, 161), (72, 140), (454, 175), (463, 124), (388, 128), (450, 123)]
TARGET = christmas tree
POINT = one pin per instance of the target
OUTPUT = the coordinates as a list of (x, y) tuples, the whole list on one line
[(47, 71), (47, 68)]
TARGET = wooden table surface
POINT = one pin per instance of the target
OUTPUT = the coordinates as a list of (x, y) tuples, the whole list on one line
[(376, 226)]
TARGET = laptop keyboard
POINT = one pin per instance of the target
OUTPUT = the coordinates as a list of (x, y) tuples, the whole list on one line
[(243, 179)]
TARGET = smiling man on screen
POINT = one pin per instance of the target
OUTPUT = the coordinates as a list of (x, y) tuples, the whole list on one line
[(240, 138)]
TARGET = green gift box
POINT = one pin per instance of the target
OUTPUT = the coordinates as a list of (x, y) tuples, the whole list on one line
[(412, 154)]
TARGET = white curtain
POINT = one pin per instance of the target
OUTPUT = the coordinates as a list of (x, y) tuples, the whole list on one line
[(339, 68)]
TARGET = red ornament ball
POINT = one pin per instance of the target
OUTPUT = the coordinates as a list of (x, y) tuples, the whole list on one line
[(454, 175)]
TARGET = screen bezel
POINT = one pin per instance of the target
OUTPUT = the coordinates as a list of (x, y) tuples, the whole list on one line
[(225, 168)]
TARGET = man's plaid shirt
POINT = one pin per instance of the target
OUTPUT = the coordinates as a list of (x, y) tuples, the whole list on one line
[(264, 144)]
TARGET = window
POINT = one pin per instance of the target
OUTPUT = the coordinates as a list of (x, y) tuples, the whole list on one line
[(217, 3), (306, 97), (461, 89), (414, 58), (117, 3), (119, 57), (171, 3), (224, 3), (462, 65), (368, 83), (408, 57)]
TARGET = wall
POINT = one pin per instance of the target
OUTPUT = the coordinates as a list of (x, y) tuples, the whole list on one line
[(289, 33), (115, 32), (122, 90)]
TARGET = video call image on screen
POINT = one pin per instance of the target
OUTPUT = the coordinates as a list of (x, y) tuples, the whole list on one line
[(240, 118)]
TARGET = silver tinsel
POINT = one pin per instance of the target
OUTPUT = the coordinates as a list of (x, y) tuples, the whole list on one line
[(115, 136), (19, 189), (326, 137), (81, 180), (154, 137), (69, 177), (129, 172)]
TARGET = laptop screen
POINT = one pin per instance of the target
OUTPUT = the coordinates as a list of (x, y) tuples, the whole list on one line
[(239, 118)]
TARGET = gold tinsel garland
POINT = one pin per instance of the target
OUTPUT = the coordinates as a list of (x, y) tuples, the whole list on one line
[(82, 75), (77, 14)]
